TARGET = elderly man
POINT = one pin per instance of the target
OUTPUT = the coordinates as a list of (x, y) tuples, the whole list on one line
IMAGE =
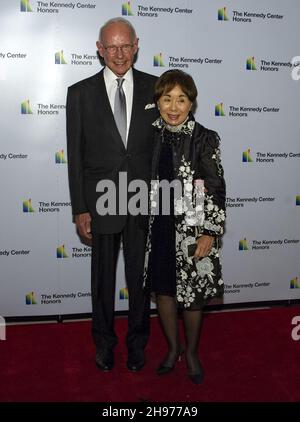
[(109, 132)]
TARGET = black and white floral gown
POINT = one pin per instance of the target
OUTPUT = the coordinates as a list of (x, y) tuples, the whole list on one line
[(192, 156)]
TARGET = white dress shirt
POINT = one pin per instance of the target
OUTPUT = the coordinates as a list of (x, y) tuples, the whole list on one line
[(111, 84)]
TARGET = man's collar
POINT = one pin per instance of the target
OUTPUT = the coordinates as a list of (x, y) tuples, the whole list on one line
[(111, 76)]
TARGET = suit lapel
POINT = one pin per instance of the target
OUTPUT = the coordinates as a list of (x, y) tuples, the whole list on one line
[(103, 109), (137, 108)]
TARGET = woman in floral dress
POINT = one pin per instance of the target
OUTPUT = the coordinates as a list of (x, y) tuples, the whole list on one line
[(187, 155)]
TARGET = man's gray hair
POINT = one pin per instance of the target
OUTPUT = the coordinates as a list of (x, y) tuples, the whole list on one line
[(118, 20)]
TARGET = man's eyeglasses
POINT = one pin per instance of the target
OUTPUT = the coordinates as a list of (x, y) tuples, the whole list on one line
[(112, 49)]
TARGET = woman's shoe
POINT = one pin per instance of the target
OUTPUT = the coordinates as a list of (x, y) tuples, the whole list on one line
[(195, 371), (164, 368), (197, 378)]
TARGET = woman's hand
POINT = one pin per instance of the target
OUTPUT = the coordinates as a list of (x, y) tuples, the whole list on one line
[(204, 243)]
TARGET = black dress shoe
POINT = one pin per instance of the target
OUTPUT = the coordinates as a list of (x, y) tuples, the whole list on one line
[(135, 361), (105, 360), (135, 366), (198, 377), (165, 367)]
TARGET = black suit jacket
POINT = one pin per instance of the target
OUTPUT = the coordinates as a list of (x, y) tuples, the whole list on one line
[(95, 148)]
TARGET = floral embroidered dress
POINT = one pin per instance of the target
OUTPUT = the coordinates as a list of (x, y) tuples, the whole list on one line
[(188, 154)]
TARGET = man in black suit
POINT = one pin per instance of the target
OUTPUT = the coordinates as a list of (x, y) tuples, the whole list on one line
[(100, 149)]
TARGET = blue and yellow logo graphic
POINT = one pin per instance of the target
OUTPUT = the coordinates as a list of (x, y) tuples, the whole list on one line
[(219, 111), (27, 206), (247, 157), (222, 14), (243, 245), (25, 107), (294, 283), (158, 60), (60, 157), (126, 9), (30, 299), (59, 57), (250, 63), (123, 293), (25, 6), (298, 200), (61, 252)]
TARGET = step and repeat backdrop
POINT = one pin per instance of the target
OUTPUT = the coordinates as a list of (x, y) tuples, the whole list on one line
[(243, 56)]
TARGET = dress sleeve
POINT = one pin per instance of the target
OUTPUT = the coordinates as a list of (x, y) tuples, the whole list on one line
[(210, 170)]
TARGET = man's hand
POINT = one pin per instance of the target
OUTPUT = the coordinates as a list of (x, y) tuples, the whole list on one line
[(83, 224), (205, 243)]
